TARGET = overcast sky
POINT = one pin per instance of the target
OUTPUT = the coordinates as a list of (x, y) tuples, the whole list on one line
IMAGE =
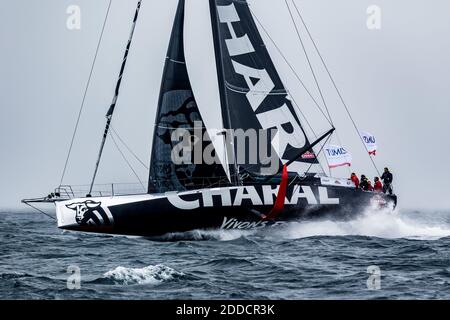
[(395, 81)]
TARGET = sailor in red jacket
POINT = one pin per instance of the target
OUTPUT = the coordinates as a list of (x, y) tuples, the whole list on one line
[(378, 187), (355, 180), (369, 186)]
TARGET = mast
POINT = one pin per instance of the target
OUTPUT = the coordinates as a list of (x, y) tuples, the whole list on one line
[(111, 109)]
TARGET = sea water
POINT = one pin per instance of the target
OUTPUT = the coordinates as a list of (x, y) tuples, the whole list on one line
[(378, 255)]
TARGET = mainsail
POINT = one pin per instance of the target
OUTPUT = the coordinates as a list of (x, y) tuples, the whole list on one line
[(177, 108), (253, 95)]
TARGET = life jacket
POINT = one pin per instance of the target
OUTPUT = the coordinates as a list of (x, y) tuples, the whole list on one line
[(355, 180), (369, 186), (378, 187)]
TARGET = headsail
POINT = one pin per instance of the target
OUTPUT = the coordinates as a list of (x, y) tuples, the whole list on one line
[(253, 95), (177, 108), (202, 71)]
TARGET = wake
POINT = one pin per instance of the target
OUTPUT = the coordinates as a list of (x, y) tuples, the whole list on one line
[(373, 222), (387, 223), (203, 235)]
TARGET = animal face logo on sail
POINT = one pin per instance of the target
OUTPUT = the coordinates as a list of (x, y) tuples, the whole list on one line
[(175, 116), (276, 112), (90, 213), (181, 115)]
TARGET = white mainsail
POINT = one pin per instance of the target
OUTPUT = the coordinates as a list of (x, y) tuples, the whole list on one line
[(202, 71)]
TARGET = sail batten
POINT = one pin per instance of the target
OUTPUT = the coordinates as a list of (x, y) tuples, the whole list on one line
[(246, 90)]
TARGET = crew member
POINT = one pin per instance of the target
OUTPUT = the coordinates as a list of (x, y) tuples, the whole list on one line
[(364, 183), (369, 186), (387, 178), (378, 186), (355, 180)]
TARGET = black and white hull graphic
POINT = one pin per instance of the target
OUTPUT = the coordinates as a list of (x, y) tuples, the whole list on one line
[(241, 207)]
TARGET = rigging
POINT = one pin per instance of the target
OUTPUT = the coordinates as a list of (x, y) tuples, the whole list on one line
[(127, 162), (334, 83), (116, 95), (313, 74), (85, 93)]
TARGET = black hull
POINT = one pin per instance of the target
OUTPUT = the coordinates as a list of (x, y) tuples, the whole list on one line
[(229, 210)]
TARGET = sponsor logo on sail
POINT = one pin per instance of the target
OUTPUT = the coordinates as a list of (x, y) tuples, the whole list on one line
[(308, 155), (260, 86)]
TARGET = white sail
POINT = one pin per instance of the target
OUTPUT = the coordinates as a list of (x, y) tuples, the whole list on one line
[(201, 65)]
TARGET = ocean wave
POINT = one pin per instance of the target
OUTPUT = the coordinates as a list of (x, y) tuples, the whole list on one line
[(148, 275), (199, 235), (14, 275), (231, 262)]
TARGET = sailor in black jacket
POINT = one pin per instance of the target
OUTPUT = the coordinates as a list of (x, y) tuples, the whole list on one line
[(387, 178)]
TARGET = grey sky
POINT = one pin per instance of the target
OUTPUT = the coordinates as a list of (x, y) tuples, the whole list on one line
[(395, 81)]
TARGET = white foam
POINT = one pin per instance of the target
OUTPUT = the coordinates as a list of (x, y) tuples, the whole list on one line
[(216, 234), (226, 235), (374, 223), (147, 275)]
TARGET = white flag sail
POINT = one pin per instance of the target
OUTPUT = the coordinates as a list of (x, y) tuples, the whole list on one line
[(337, 156), (369, 141)]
